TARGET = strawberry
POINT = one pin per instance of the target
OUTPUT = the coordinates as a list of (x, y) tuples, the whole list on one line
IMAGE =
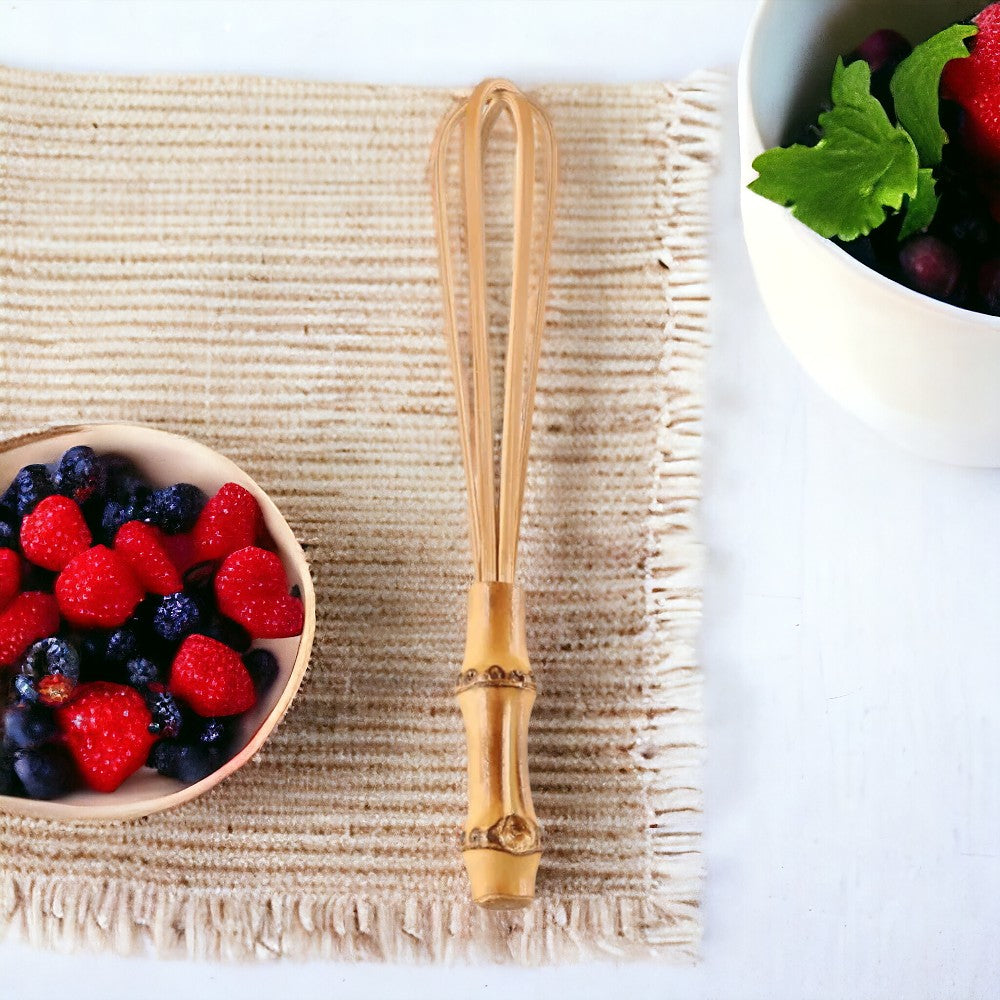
[(231, 520), (106, 727), (181, 550), (211, 678), (97, 588), (28, 618), (974, 82), (273, 617), (10, 576), (251, 588), (141, 546), (54, 532)]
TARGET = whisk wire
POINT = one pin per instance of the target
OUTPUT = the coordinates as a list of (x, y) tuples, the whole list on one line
[(495, 518), (440, 160), (475, 235)]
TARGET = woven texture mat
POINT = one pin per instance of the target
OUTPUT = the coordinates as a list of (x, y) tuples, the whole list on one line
[(252, 262)]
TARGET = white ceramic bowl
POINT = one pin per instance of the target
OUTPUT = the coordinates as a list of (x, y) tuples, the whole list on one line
[(924, 373), (165, 458)]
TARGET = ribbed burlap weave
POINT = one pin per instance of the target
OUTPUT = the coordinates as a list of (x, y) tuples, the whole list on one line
[(252, 262)]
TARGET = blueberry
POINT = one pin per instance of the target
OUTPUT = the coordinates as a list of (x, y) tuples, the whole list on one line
[(51, 657), (27, 726), (91, 646), (930, 265), (31, 485), (163, 757), (112, 518), (142, 618), (124, 479), (9, 532), (184, 761), (126, 496), (142, 672), (45, 773), (177, 616), (216, 732), (60, 657), (166, 713), (25, 690), (116, 512), (81, 474), (262, 668), (174, 509), (197, 762), (150, 643), (228, 632), (122, 645)]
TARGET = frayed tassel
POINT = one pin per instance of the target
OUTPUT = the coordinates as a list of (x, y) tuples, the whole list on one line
[(203, 924)]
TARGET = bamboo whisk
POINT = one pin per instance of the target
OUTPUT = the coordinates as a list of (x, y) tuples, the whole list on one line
[(501, 844)]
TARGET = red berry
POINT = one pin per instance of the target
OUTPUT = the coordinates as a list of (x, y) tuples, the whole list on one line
[(55, 689), (930, 265), (54, 532), (251, 588), (273, 617), (28, 618), (97, 588), (10, 576), (974, 82), (231, 520), (883, 47), (141, 546), (211, 678), (181, 550), (106, 727)]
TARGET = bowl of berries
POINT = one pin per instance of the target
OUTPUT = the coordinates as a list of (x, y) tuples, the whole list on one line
[(156, 620), (870, 148)]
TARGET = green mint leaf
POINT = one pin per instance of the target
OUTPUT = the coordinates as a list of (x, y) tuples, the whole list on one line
[(862, 166), (915, 86), (921, 207)]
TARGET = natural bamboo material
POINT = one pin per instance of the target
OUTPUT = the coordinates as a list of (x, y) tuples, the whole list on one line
[(502, 841), (165, 458)]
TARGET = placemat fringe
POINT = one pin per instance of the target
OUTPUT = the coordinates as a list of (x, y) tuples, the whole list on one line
[(205, 924), (668, 754)]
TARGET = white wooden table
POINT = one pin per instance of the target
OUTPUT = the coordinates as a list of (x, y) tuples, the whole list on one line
[(852, 621)]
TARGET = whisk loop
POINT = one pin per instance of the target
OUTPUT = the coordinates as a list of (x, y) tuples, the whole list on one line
[(495, 521), (501, 843)]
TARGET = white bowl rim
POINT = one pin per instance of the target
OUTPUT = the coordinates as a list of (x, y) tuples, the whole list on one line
[(748, 121)]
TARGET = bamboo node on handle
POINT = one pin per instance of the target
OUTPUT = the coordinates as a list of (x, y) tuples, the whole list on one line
[(501, 843)]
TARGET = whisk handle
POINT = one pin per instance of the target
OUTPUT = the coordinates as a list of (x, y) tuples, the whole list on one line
[(501, 844)]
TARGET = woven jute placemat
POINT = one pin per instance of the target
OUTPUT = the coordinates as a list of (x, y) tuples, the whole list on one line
[(252, 262)]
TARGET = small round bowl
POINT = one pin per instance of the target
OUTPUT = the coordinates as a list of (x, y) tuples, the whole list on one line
[(164, 459), (922, 372)]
